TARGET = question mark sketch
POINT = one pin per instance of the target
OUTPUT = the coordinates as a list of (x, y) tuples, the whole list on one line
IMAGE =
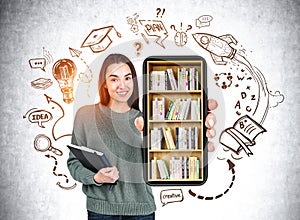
[(158, 11), (189, 28), (173, 27), (138, 46)]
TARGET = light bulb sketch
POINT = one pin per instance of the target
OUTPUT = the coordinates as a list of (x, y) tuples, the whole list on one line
[(64, 71)]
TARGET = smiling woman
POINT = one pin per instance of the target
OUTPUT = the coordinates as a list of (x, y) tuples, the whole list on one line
[(118, 84), (109, 127)]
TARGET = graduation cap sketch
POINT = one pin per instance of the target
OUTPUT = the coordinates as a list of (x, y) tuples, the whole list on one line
[(98, 40)]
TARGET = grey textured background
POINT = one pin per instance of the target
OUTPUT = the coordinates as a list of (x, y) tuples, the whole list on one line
[(268, 185)]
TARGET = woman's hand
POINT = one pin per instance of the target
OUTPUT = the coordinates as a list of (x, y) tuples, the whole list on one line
[(107, 175), (210, 121)]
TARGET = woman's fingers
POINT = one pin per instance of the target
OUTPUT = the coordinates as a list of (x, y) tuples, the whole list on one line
[(210, 120), (139, 123), (210, 146), (212, 104)]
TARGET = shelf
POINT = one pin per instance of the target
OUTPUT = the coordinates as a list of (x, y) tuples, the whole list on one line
[(175, 151), (175, 121), (174, 91), (179, 180)]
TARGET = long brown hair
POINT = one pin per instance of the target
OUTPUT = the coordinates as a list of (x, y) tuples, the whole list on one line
[(133, 101)]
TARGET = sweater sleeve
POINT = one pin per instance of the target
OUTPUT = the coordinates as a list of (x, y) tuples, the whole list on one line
[(77, 170)]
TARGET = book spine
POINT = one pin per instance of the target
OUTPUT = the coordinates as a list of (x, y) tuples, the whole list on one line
[(196, 137), (166, 138)]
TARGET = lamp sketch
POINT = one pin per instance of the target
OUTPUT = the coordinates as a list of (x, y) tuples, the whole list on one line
[(64, 71)]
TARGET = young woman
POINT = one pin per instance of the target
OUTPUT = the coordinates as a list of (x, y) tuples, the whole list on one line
[(111, 127)]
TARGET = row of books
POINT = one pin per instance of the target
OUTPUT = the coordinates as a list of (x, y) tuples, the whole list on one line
[(186, 138), (180, 109), (186, 79), (183, 167)]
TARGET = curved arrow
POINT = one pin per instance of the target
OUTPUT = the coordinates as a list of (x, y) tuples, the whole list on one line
[(49, 99), (231, 167), (24, 116)]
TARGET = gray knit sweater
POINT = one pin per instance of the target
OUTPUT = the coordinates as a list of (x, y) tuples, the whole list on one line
[(115, 134)]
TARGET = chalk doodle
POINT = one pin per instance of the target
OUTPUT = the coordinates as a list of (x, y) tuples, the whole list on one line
[(60, 175), (83, 77), (251, 107), (74, 52), (48, 56), (247, 100), (66, 187), (99, 40), (170, 196), (42, 143), (50, 100), (222, 51), (158, 12), (145, 39), (64, 71), (41, 83), (241, 135), (55, 166), (157, 29), (238, 139), (203, 21), (133, 21), (38, 63), (231, 168), (223, 80), (180, 37), (38, 116), (139, 47)]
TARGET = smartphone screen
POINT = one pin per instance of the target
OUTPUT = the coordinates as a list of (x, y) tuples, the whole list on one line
[(174, 110)]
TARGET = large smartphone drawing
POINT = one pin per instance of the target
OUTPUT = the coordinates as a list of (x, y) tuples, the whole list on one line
[(174, 110)]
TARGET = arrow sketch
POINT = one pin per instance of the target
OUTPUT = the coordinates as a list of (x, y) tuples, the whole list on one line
[(49, 100), (55, 166), (231, 167)]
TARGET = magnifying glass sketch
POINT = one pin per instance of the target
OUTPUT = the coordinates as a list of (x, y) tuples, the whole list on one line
[(43, 143)]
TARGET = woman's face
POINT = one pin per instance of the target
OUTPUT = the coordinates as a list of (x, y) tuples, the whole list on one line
[(119, 83)]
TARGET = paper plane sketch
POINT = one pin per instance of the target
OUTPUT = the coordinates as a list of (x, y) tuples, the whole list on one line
[(218, 47), (99, 40), (74, 52), (242, 135)]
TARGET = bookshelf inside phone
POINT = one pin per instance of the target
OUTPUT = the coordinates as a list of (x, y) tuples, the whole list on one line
[(175, 117)]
